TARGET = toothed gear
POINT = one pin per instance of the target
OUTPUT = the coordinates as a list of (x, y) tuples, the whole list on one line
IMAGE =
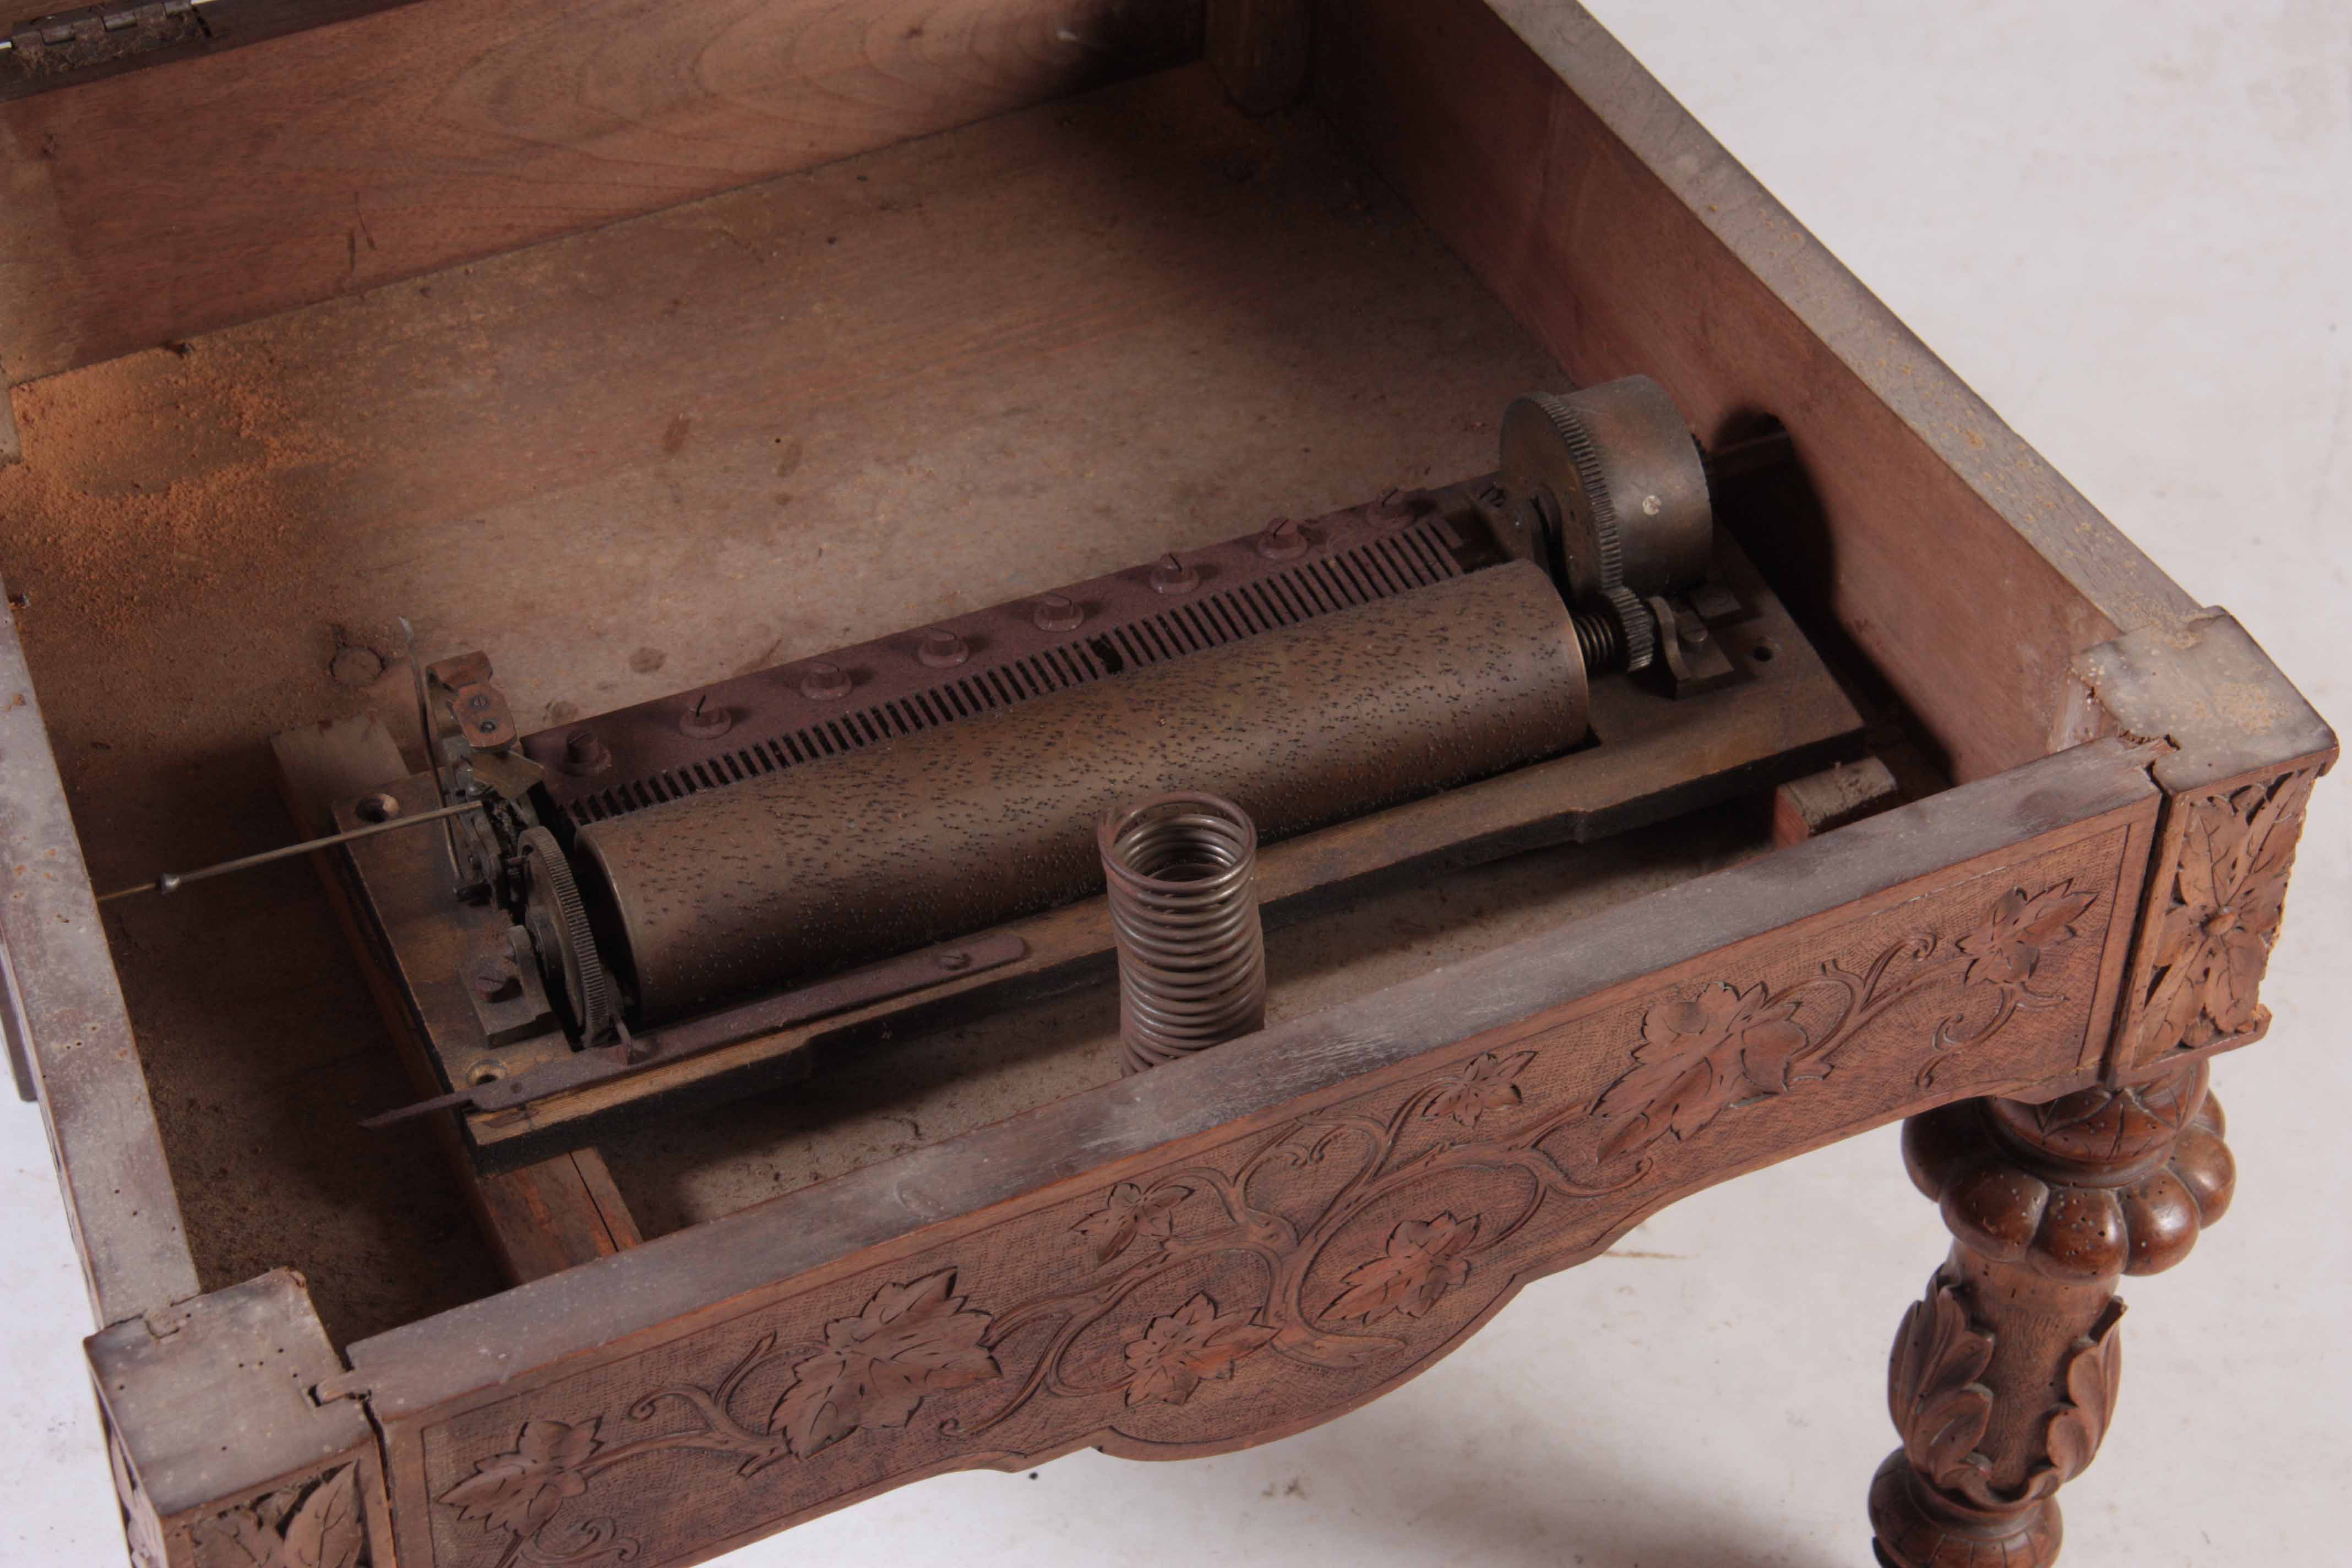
[(554, 915), (1592, 478), (1640, 629)]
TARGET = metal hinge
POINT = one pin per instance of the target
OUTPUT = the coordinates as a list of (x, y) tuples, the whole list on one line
[(75, 40)]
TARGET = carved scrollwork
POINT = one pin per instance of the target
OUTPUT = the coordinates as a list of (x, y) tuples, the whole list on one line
[(1363, 1236), (2215, 915)]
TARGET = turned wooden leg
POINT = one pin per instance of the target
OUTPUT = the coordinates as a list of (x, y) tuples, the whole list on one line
[(2004, 1376)]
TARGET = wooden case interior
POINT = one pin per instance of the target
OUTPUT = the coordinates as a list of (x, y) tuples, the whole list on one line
[(930, 361)]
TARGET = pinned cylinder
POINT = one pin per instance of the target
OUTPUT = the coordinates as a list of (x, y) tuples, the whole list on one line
[(782, 877), (1181, 871)]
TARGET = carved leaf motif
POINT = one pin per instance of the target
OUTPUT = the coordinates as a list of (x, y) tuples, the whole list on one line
[(909, 1341), (1698, 1058), (1933, 1392), (2008, 947), (2092, 1372), (325, 1532), (2225, 901), (516, 1492), (1132, 1214), (1172, 1356), (1486, 1082), (1421, 1263)]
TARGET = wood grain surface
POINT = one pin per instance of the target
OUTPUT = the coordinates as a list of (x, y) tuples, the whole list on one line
[(168, 202)]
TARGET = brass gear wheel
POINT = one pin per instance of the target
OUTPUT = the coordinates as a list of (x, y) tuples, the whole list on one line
[(558, 922)]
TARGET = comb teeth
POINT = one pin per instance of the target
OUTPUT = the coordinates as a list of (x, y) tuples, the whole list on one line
[(1416, 556)]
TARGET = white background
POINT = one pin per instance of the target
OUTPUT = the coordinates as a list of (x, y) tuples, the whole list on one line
[(2128, 224)]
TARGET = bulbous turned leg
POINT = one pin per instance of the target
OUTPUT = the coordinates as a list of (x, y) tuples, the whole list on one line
[(2004, 1376)]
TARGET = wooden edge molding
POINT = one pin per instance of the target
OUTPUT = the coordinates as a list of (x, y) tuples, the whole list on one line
[(1223, 1251), (2244, 750), (300, 1483), (67, 1015)]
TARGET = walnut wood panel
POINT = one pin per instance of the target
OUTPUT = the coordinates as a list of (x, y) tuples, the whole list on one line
[(1628, 239), (1163, 1290), (164, 203)]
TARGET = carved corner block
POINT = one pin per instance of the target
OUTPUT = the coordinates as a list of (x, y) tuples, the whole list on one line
[(2247, 749), (223, 1458)]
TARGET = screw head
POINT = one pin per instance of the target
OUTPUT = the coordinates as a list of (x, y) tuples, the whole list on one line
[(1055, 613), (583, 754), (942, 649), (1174, 577), (706, 719), (378, 808), (825, 681), (1283, 539), (956, 961), (1693, 634)]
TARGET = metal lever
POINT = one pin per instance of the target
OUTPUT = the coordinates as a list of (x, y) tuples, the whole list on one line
[(596, 1064), (172, 881)]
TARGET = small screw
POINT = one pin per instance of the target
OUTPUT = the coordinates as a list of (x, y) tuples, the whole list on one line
[(583, 754), (1283, 539), (705, 722), (823, 682), (1173, 576), (478, 700), (1652, 506), (953, 962), (378, 808), (942, 649), (487, 726), (1693, 634), (1055, 613)]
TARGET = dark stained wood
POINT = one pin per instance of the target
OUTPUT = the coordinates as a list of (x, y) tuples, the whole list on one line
[(1629, 240), (2004, 1377), (331, 161), (1576, 1081), (1260, 49), (542, 1218)]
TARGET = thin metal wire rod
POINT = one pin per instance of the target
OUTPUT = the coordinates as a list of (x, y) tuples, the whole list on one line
[(172, 881)]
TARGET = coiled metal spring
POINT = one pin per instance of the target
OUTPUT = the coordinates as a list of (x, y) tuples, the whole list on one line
[(1182, 872)]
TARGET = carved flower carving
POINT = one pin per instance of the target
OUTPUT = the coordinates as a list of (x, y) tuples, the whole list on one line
[(1698, 1058), (1172, 1356), (1486, 1082), (516, 1492), (910, 1341), (2227, 898), (1424, 1260), (1130, 1214), (2006, 948)]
